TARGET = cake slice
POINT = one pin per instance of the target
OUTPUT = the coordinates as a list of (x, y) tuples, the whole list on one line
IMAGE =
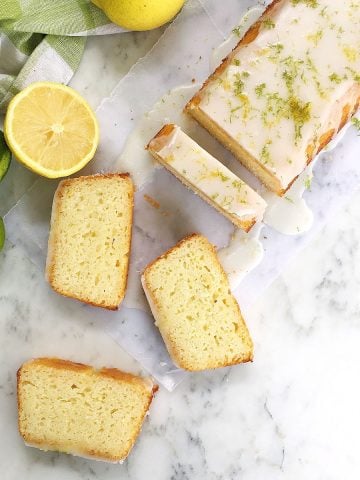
[(198, 317), (90, 235), (72, 408), (287, 88), (207, 177)]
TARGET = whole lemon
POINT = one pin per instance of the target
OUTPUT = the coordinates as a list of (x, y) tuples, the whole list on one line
[(140, 14)]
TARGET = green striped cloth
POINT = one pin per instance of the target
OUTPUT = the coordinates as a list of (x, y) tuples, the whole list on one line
[(44, 40)]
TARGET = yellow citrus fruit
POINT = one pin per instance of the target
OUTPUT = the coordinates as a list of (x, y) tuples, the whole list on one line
[(51, 129), (140, 14)]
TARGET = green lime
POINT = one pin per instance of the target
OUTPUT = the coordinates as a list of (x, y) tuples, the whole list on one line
[(2, 233), (5, 156)]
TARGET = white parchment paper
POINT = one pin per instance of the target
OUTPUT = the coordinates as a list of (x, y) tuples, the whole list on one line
[(182, 54)]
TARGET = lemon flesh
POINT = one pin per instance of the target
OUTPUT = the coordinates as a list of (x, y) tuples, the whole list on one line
[(51, 129), (140, 14)]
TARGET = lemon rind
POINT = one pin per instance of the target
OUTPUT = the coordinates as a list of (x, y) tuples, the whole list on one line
[(25, 159)]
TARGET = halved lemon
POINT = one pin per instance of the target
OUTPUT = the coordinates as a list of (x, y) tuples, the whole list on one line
[(51, 129)]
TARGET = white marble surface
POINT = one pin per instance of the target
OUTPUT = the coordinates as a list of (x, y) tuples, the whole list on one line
[(291, 414)]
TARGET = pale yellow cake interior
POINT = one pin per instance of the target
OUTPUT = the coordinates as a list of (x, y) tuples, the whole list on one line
[(90, 236), (194, 309), (81, 411)]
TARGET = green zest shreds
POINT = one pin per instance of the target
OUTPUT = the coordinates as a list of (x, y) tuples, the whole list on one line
[(277, 106), (334, 77), (237, 30), (307, 182), (300, 112), (5, 159), (259, 89), (265, 153), (238, 84), (356, 123), (5, 156), (268, 23), (309, 3)]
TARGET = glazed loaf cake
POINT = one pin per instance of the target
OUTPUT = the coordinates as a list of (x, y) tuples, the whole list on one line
[(198, 317), (90, 235), (72, 408), (288, 87), (207, 177)]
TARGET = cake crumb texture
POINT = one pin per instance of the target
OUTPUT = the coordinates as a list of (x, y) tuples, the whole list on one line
[(195, 311), (73, 408), (90, 236)]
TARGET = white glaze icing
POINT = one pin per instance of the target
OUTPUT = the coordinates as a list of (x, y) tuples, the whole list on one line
[(223, 50), (283, 90), (290, 214), (209, 176), (243, 253)]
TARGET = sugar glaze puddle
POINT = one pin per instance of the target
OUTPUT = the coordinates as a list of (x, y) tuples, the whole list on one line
[(243, 253)]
